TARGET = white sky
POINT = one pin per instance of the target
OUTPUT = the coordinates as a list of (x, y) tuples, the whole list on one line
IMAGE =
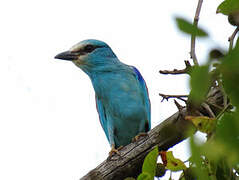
[(49, 127)]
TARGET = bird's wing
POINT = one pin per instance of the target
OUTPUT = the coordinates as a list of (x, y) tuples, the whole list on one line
[(144, 91), (102, 115)]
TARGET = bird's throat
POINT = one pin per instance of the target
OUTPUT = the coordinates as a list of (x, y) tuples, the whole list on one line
[(78, 62)]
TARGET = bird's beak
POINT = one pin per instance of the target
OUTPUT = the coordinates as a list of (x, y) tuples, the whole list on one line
[(67, 55)]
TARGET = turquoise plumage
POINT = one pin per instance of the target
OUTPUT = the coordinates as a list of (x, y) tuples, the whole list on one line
[(121, 94)]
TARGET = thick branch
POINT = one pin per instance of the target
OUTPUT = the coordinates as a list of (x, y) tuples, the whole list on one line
[(167, 134)]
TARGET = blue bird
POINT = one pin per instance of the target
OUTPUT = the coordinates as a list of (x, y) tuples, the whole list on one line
[(121, 94)]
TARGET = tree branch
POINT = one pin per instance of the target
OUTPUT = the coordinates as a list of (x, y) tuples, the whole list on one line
[(173, 72), (193, 37), (176, 71), (167, 97), (231, 38), (167, 134)]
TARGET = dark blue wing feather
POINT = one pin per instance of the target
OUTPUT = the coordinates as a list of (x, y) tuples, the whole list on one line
[(145, 93), (102, 116)]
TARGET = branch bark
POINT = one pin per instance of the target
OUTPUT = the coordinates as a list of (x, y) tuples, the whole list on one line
[(176, 71), (167, 97), (167, 134), (193, 37), (231, 38)]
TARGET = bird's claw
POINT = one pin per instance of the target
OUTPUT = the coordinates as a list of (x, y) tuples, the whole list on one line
[(142, 134), (114, 151)]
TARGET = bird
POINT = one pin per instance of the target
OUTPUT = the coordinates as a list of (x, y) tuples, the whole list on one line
[(121, 94)]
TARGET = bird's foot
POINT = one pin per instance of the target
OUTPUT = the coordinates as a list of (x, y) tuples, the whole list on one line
[(142, 134), (114, 151)]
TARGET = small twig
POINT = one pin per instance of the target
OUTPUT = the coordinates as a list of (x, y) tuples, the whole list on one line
[(186, 161), (198, 113), (167, 97), (224, 96), (231, 38), (223, 111), (176, 71), (214, 105), (180, 108), (223, 93), (208, 109), (193, 37)]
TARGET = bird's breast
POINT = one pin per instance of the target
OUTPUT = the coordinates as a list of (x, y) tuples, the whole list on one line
[(120, 94)]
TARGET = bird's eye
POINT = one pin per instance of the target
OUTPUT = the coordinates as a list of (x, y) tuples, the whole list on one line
[(89, 48)]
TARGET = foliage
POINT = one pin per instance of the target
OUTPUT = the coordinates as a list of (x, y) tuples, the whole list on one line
[(231, 9), (199, 90), (189, 28), (218, 157), (203, 123), (173, 163), (228, 6), (150, 160)]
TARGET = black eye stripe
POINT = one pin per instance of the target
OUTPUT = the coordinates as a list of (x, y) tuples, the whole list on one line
[(88, 49)]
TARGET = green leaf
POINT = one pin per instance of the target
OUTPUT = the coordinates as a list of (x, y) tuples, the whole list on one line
[(189, 173), (189, 28), (160, 170), (228, 6), (228, 135), (214, 150), (223, 171), (201, 170), (150, 163), (173, 163), (203, 123), (230, 75), (200, 82), (145, 176)]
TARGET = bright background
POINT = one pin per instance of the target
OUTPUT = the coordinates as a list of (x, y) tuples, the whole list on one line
[(49, 127)]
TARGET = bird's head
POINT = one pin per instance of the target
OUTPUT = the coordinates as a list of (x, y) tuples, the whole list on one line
[(89, 55)]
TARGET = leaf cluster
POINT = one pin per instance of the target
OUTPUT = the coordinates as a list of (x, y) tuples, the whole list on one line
[(218, 157)]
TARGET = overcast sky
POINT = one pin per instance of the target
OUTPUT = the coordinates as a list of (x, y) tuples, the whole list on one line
[(49, 127)]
